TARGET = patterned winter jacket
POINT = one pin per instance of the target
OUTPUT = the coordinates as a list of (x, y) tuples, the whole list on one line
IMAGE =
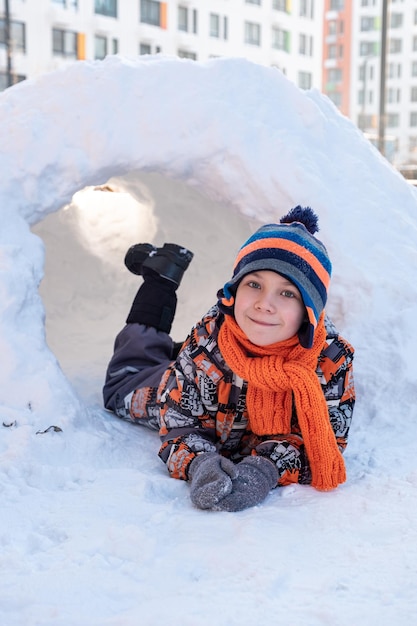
[(201, 406)]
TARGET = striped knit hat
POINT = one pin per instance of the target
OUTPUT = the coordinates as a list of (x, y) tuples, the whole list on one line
[(290, 249)]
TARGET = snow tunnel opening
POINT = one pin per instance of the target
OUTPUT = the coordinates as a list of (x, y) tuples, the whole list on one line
[(86, 289)]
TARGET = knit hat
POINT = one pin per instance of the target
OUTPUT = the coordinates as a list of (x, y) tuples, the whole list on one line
[(290, 249)]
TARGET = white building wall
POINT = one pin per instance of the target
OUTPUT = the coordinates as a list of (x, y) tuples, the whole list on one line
[(399, 76), (41, 16)]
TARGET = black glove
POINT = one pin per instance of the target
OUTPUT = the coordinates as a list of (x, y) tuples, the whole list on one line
[(211, 479), (256, 477)]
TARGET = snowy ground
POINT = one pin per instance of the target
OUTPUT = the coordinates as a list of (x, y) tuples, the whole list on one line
[(93, 531)]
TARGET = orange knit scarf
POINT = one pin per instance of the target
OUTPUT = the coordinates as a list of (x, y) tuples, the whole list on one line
[(276, 374)]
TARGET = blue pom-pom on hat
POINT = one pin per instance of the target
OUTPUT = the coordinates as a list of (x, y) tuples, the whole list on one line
[(290, 249), (305, 216)]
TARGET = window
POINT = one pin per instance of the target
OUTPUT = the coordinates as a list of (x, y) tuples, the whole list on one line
[(332, 26), (106, 7), (280, 39), (307, 8), (304, 80), (280, 5), (393, 120), (366, 71), (394, 70), (335, 75), (413, 94), (395, 46), (337, 5), (367, 48), (332, 51), (365, 121), (64, 43), (365, 96), (114, 46), (150, 12), (305, 45), (184, 21), (393, 95), (414, 68), (67, 3), (253, 1), (17, 35), (396, 20), (186, 54), (414, 44), (145, 48), (4, 80), (183, 18), (335, 51), (367, 23), (100, 47), (214, 25), (415, 16), (413, 118), (253, 33)]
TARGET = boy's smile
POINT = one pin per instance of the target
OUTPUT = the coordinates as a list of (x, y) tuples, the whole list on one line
[(268, 307)]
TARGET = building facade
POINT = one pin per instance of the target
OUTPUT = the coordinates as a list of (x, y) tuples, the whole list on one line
[(47, 34), (352, 61), (332, 45)]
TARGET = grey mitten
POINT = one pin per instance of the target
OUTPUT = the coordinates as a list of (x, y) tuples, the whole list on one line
[(211, 479), (256, 477)]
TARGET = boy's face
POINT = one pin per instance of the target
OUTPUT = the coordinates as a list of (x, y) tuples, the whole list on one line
[(268, 307)]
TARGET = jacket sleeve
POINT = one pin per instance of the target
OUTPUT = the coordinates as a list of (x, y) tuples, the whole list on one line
[(335, 372), (189, 401)]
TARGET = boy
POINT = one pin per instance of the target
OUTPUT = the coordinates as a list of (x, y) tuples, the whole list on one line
[(261, 392)]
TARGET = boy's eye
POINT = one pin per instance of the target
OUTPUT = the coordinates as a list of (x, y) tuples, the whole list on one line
[(254, 284), (288, 294)]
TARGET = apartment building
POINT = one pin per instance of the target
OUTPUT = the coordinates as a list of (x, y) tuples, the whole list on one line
[(333, 45), (337, 42), (352, 70), (47, 34)]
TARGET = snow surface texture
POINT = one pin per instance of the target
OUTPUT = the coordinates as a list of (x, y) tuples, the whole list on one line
[(92, 529)]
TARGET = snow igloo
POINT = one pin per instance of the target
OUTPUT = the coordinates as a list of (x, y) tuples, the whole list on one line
[(103, 154)]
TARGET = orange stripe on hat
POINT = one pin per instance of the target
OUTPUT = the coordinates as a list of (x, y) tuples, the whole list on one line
[(289, 246)]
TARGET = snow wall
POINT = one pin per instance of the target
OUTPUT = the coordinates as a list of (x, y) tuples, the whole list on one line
[(240, 136)]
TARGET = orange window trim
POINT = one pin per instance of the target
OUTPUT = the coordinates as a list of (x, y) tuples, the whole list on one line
[(164, 15), (81, 46)]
